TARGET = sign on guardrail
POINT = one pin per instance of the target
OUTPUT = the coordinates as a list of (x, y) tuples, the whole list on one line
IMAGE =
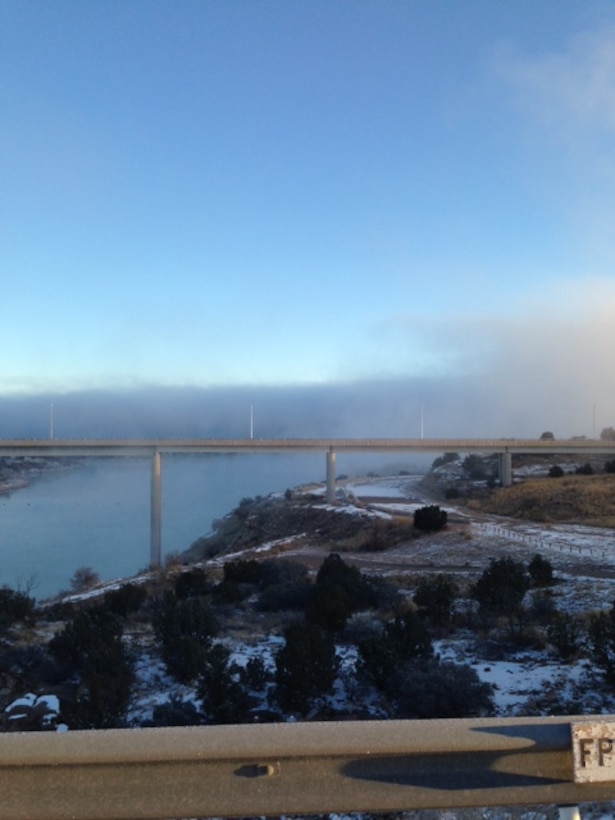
[(593, 750)]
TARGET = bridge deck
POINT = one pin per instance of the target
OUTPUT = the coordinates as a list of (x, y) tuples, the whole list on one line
[(143, 447)]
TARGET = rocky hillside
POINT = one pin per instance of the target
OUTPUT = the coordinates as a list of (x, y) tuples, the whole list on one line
[(295, 516)]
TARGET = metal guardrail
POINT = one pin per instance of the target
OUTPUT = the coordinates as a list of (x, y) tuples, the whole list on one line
[(300, 768)]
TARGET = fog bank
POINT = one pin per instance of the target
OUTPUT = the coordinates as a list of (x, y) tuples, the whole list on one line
[(445, 407)]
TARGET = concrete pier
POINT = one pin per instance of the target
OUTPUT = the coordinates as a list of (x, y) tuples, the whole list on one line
[(505, 469), (156, 513), (330, 477)]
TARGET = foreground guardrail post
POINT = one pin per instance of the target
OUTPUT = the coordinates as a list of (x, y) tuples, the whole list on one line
[(569, 813)]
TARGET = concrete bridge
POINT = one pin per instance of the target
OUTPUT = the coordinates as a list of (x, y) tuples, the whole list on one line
[(156, 448)]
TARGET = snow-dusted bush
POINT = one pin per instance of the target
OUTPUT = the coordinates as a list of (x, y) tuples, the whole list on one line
[(585, 469), (566, 633), (282, 571), (447, 458), (306, 667), (430, 519), (84, 635), (475, 467), (403, 639), (435, 597), (184, 629), (541, 571), (501, 589), (435, 689), (255, 674), (340, 590), (224, 698), (328, 607), (175, 712), (15, 606), (280, 597), (243, 571), (84, 578), (601, 633), (541, 609), (191, 583), (126, 599), (91, 643)]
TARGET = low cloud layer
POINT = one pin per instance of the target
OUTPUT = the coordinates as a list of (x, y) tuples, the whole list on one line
[(547, 367)]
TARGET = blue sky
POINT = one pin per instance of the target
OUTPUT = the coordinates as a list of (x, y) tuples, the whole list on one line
[(277, 193)]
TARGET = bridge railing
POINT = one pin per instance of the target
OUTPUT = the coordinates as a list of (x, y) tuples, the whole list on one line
[(300, 768)]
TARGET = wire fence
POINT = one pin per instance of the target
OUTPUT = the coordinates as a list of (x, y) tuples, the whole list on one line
[(541, 544)]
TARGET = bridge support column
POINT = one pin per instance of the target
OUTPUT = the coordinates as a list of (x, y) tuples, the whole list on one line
[(505, 469), (156, 513), (330, 477)]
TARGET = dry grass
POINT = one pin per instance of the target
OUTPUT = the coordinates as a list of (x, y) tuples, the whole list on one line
[(581, 499)]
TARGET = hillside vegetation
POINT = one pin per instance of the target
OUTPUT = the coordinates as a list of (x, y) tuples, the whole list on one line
[(295, 516), (576, 498)]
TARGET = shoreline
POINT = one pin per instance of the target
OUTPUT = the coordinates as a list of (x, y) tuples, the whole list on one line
[(16, 476), (8, 486)]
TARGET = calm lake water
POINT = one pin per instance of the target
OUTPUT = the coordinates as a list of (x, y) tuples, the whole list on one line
[(97, 514)]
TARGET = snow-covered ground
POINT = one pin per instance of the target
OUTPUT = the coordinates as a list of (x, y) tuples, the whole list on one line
[(525, 682), (583, 559)]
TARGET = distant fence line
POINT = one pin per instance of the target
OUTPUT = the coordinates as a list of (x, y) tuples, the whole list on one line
[(560, 544)]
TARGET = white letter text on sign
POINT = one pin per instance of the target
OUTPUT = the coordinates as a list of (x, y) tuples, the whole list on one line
[(593, 751)]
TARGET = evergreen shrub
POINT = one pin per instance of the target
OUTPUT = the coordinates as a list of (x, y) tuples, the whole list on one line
[(430, 519)]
